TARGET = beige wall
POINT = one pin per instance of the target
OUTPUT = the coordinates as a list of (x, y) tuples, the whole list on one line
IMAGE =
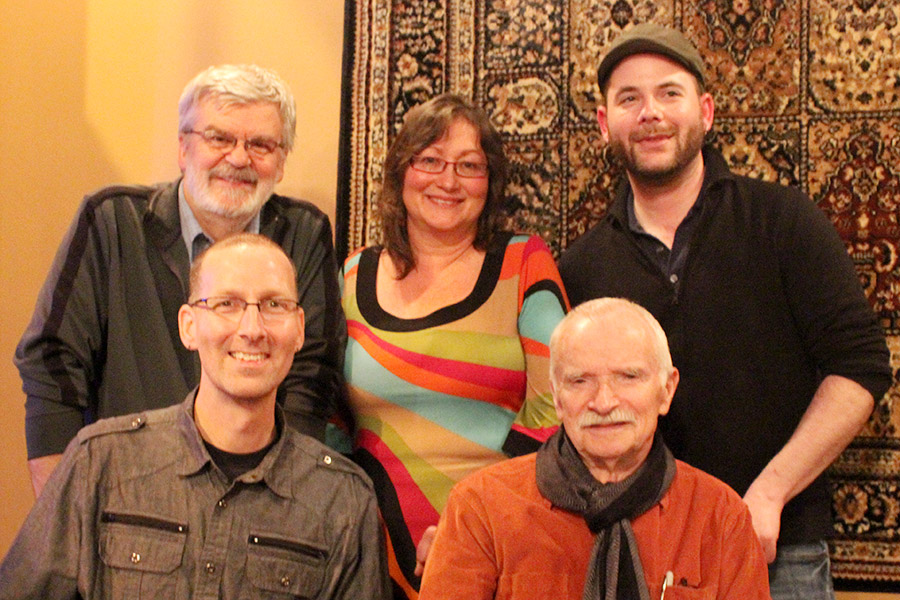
[(88, 98)]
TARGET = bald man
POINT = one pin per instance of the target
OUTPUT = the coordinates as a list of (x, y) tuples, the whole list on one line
[(215, 497), (602, 510)]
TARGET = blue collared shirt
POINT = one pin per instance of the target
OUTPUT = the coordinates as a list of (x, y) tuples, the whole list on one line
[(190, 227)]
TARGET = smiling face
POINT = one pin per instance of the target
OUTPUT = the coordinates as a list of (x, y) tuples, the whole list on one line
[(609, 390), (232, 184), (444, 204), (242, 361), (654, 119)]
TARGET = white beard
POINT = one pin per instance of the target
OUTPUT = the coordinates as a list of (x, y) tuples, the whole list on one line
[(223, 201)]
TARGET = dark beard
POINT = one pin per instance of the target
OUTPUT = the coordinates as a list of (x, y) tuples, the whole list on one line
[(660, 176)]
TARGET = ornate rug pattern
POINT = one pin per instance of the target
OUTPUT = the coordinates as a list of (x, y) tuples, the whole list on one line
[(807, 93)]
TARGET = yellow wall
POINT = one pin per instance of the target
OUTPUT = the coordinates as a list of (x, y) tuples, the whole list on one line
[(88, 94)]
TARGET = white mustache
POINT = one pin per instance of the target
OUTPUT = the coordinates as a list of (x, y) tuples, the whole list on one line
[(247, 174), (617, 416)]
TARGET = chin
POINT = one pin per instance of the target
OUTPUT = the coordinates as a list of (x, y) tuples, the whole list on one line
[(251, 391)]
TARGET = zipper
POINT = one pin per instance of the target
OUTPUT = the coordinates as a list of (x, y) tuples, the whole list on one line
[(306, 549), (142, 521)]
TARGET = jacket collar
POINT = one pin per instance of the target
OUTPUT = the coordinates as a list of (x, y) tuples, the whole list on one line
[(162, 221)]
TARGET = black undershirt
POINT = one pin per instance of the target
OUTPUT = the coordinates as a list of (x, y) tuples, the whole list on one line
[(234, 465)]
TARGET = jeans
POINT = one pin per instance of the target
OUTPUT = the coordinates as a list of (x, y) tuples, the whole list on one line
[(801, 572)]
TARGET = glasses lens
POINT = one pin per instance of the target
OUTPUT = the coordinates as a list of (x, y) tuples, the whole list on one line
[(228, 307), (471, 169), (277, 307), (261, 147), (429, 164), (219, 141)]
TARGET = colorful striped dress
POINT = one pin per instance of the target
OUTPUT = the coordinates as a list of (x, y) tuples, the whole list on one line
[(438, 397)]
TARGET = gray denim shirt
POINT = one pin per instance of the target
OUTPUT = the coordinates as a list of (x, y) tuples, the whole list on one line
[(138, 510)]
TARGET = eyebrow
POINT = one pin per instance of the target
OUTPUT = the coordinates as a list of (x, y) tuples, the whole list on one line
[(261, 136), (476, 151), (265, 295), (665, 84)]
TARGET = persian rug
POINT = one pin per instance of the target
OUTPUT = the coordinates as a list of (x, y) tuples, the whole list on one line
[(807, 93)]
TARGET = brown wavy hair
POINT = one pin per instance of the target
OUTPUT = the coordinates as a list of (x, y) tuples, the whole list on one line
[(424, 125)]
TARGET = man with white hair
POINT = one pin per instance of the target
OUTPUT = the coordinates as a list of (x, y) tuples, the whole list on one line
[(602, 510), (103, 340)]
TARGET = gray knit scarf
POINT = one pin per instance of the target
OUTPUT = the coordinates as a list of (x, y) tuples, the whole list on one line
[(615, 571)]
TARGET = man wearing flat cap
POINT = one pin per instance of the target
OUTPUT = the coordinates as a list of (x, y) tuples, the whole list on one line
[(780, 355)]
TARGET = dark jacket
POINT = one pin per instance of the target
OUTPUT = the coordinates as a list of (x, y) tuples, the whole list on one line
[(768, 304), (103, 340)]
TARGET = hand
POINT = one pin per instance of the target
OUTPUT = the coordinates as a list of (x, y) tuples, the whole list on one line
[(766, 514), (423, 549)]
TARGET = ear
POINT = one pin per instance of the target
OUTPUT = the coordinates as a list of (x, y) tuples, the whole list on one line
[(707, 110), (669, 392), (301, 323), (282, 157), (182, 151), (604, 123), (187, 327), (556, 402)]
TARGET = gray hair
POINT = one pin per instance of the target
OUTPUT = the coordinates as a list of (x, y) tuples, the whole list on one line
[(594, 310), (237, 85)]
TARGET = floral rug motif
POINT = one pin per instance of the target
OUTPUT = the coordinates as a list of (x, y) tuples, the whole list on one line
[(807, 93)]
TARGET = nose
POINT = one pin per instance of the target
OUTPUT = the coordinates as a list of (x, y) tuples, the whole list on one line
[(650, 111), (604, 399), (251, 324), (448, 179), (238, 157)]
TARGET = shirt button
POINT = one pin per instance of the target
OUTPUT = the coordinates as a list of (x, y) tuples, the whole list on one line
[(210, 568), (137, 422), (222, 503), (673, 278), (285, 581), (327, 460), (135, 558)]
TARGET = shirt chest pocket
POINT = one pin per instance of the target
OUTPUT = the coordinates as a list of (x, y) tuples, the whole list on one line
[(141, 555), (677, 592), (283, 568)]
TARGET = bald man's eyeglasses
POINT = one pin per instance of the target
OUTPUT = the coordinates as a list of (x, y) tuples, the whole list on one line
[(232, 308)]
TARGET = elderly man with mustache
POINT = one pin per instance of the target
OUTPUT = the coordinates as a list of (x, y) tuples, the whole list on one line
[(602, 510), (103, 340)]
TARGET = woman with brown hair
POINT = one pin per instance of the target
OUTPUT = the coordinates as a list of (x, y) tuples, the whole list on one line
[(448, 320)]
